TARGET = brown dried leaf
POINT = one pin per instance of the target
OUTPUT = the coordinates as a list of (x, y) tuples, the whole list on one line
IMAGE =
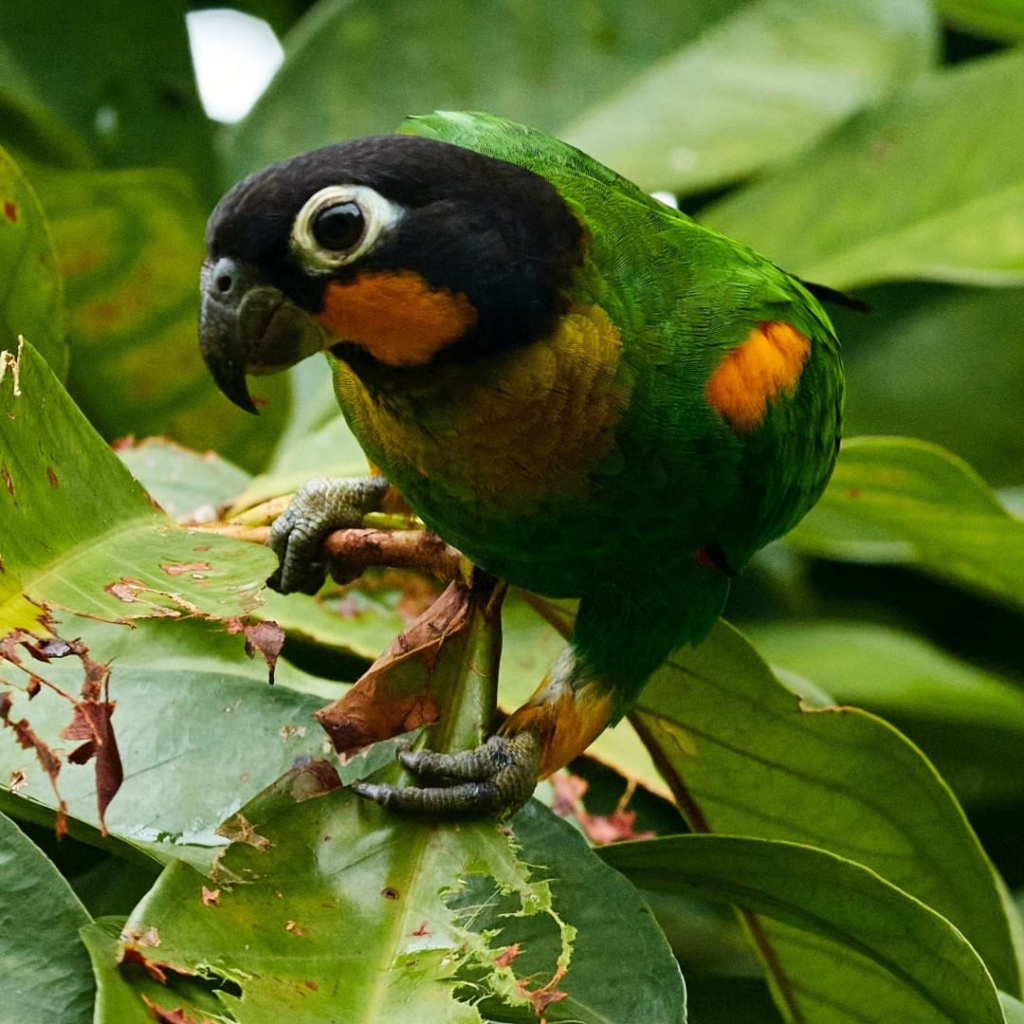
[(266, 637), (601, 829), (389, 699)]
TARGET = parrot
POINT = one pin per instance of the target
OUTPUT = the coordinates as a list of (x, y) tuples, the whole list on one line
[(582, 389)]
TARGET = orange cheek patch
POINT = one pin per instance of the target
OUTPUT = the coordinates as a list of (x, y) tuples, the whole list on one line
[(397, 317), (767, 364)]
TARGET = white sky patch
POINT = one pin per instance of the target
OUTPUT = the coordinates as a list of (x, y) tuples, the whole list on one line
[(235, 56)]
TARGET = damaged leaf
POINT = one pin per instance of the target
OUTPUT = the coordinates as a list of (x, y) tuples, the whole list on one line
[(350, 910), (93, 543), (196, 723), (399, 692)]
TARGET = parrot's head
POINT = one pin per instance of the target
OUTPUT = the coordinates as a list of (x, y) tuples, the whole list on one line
[(393, 251)]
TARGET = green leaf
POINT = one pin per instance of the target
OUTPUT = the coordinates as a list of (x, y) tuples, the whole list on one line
[(899, 501), (32, 295), (1002, 19), (887, 198), (1013, 1008), (81, 535), (123, 78), (179, 479), (130, 244), (969, 721), (329, 903), (46, 969), (744, 756), (836, 899), (381, 60), (758, 87), (198, 728), (339, 905), (941, 364)]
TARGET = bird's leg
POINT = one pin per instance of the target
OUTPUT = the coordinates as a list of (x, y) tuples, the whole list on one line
[(320, 506), (620, 637), (566, 713)]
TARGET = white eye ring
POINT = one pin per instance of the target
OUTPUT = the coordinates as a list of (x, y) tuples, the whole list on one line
[(379, 215)]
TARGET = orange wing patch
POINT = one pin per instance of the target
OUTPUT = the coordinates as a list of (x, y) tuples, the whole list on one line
[(767, 364), (397, 317)]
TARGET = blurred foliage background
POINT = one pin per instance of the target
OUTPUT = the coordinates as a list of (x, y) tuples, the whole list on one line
[(876, 146)]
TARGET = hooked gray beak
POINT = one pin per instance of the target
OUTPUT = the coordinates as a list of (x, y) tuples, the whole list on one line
[(246, 326)]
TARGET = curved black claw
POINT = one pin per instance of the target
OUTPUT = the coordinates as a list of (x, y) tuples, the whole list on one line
[(498, 776), (321, 505)]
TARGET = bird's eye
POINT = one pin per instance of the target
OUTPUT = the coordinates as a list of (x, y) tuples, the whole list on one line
[(339, 227), (339, 224)]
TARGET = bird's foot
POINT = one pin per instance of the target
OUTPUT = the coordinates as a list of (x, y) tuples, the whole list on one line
[(498, 776), (319, 506)]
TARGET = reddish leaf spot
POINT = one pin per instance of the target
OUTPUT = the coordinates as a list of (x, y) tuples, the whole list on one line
[(51, 476), (18, 780), (142, 936), (35, 684), (295, 929), (422, 931), (853, 492), (175, 1016), (11, 211), (6, 476), (125, 589), (266, 637), (210, 897), (506, 957), (311, 985), (388, 893), (179, 568)]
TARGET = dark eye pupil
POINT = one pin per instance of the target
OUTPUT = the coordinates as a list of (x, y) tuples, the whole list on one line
[(339, 227)]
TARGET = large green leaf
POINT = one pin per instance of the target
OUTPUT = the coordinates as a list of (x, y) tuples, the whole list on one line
[(943, 364), (757, 88), (745, 756), (906, 502), (46, 968), (329, 905), (341, 908), (81, 535), (835, 899), (130, 244), (358, 67), (180, 480), (888, 197), (121, 75), (31, 299), (199, 731), (969, 721)]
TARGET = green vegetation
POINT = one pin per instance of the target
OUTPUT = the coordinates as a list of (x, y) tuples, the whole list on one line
[(835, 781)]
